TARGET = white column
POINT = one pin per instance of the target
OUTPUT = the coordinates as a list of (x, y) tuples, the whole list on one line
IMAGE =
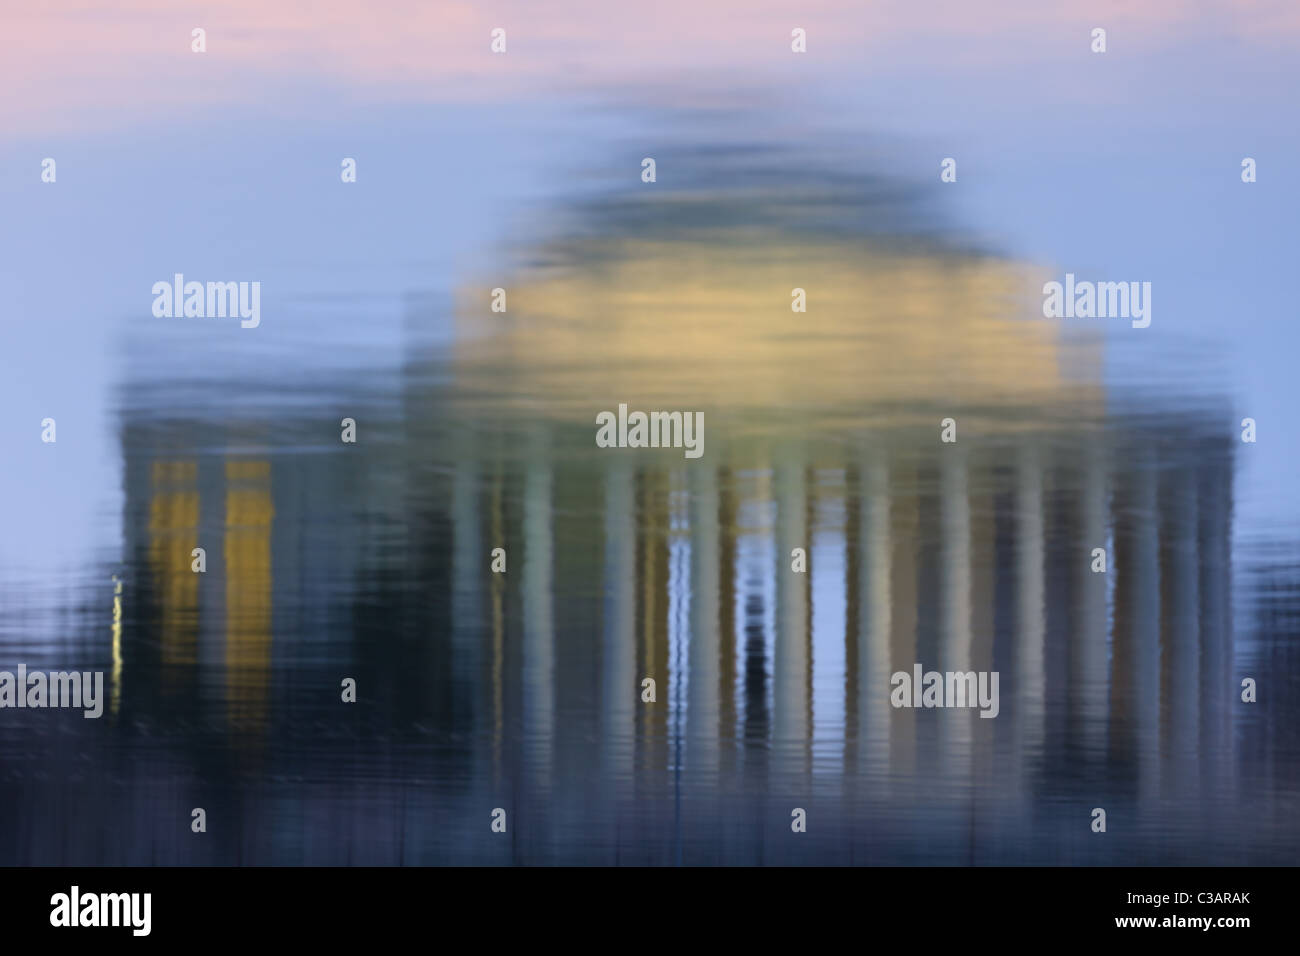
[(874, 711), (1031, 626), (1181, 637), (1145, 625), (620, 689), (1089, 646), (702, 708), (1220, 685), (539, 627), (470, 570), (955, 619)]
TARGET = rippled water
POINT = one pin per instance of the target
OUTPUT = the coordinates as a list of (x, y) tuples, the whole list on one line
[(522, 690)]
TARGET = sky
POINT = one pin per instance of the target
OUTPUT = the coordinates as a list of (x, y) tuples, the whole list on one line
[(1123, 165)]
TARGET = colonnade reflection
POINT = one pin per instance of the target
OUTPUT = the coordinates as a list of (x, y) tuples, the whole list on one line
[(623, 566), (959, 558)]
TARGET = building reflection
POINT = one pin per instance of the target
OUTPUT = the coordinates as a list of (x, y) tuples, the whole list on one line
[(213, 512), (247, 563), (173, 534), (972, 556), (823, 434)]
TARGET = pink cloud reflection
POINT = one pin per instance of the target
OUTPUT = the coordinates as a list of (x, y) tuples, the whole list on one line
[(76, 65)]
